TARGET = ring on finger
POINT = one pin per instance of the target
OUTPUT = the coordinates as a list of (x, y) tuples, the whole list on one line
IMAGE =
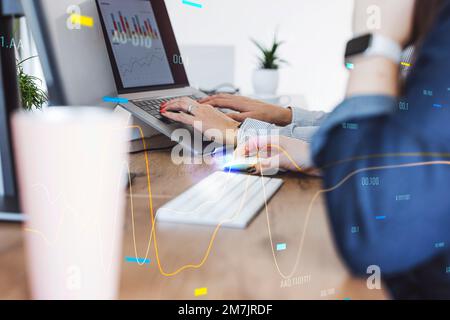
[(191, 109)]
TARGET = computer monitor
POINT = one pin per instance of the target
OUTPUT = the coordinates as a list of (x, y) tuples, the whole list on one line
[(9, 102), (9, 197), (75, 61)]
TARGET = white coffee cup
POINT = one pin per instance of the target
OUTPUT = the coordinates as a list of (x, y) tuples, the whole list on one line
[(71, 164)]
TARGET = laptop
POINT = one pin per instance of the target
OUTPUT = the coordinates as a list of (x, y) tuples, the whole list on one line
[(146, 63)]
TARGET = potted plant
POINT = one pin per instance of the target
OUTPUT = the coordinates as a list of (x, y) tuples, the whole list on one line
[(32, 96), (266, 77)]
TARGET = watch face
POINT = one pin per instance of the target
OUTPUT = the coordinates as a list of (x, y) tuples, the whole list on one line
[(358, 45)]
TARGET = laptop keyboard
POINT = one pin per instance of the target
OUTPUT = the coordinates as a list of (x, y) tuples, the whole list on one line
[(152, 107)]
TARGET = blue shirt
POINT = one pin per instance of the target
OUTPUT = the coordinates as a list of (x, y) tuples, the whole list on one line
[(386, 162)]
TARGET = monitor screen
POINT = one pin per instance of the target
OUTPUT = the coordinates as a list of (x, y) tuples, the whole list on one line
[(2, 189), (9, 196), (141, 44), (7, 176)]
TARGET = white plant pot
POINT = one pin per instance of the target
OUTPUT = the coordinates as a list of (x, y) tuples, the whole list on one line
[(265, 81)]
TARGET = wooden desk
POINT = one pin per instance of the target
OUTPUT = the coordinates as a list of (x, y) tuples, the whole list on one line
[(240, 264)]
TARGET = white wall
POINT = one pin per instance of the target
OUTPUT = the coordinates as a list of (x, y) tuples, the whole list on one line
[(315, 32)]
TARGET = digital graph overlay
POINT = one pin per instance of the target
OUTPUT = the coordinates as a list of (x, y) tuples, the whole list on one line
[(84, 224), (308, 213), (153, 236), (140, 260)]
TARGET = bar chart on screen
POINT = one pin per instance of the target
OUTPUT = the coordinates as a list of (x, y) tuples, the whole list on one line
[(134, 30)]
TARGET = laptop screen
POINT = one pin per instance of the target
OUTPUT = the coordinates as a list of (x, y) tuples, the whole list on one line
[(141, 45)]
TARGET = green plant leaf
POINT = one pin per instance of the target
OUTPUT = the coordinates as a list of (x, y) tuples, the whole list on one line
[(31, 94), (269, 58)]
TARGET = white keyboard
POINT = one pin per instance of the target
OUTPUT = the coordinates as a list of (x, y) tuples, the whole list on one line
[(229, 199)]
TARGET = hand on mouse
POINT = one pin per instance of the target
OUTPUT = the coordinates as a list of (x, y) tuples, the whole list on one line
[(277, 152)]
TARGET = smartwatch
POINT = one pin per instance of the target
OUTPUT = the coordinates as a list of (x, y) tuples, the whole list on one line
[(371, 45)]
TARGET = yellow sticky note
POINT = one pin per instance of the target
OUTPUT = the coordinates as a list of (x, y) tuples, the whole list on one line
[(82, 20), (201, 292)]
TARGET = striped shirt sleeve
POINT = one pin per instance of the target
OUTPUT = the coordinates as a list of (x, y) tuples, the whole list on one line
[(304, 125)]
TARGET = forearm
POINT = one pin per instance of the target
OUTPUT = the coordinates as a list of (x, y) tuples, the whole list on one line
[(251, 127), (374, 76), (306, 118), (285, 116)]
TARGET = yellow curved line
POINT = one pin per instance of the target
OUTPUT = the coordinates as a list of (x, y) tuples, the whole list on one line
[(152, 216), (388, 155), (211, 242), (153, 235), (323, 191), (153, 231), (39, 233)]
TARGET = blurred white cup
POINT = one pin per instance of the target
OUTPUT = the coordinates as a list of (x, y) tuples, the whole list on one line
[(71, 165)]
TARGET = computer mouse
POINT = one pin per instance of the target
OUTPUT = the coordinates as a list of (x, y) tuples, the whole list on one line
[(240, 164)]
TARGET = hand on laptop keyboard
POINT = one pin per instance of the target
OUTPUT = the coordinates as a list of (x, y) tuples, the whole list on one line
[(214, 124), (152, 107)]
